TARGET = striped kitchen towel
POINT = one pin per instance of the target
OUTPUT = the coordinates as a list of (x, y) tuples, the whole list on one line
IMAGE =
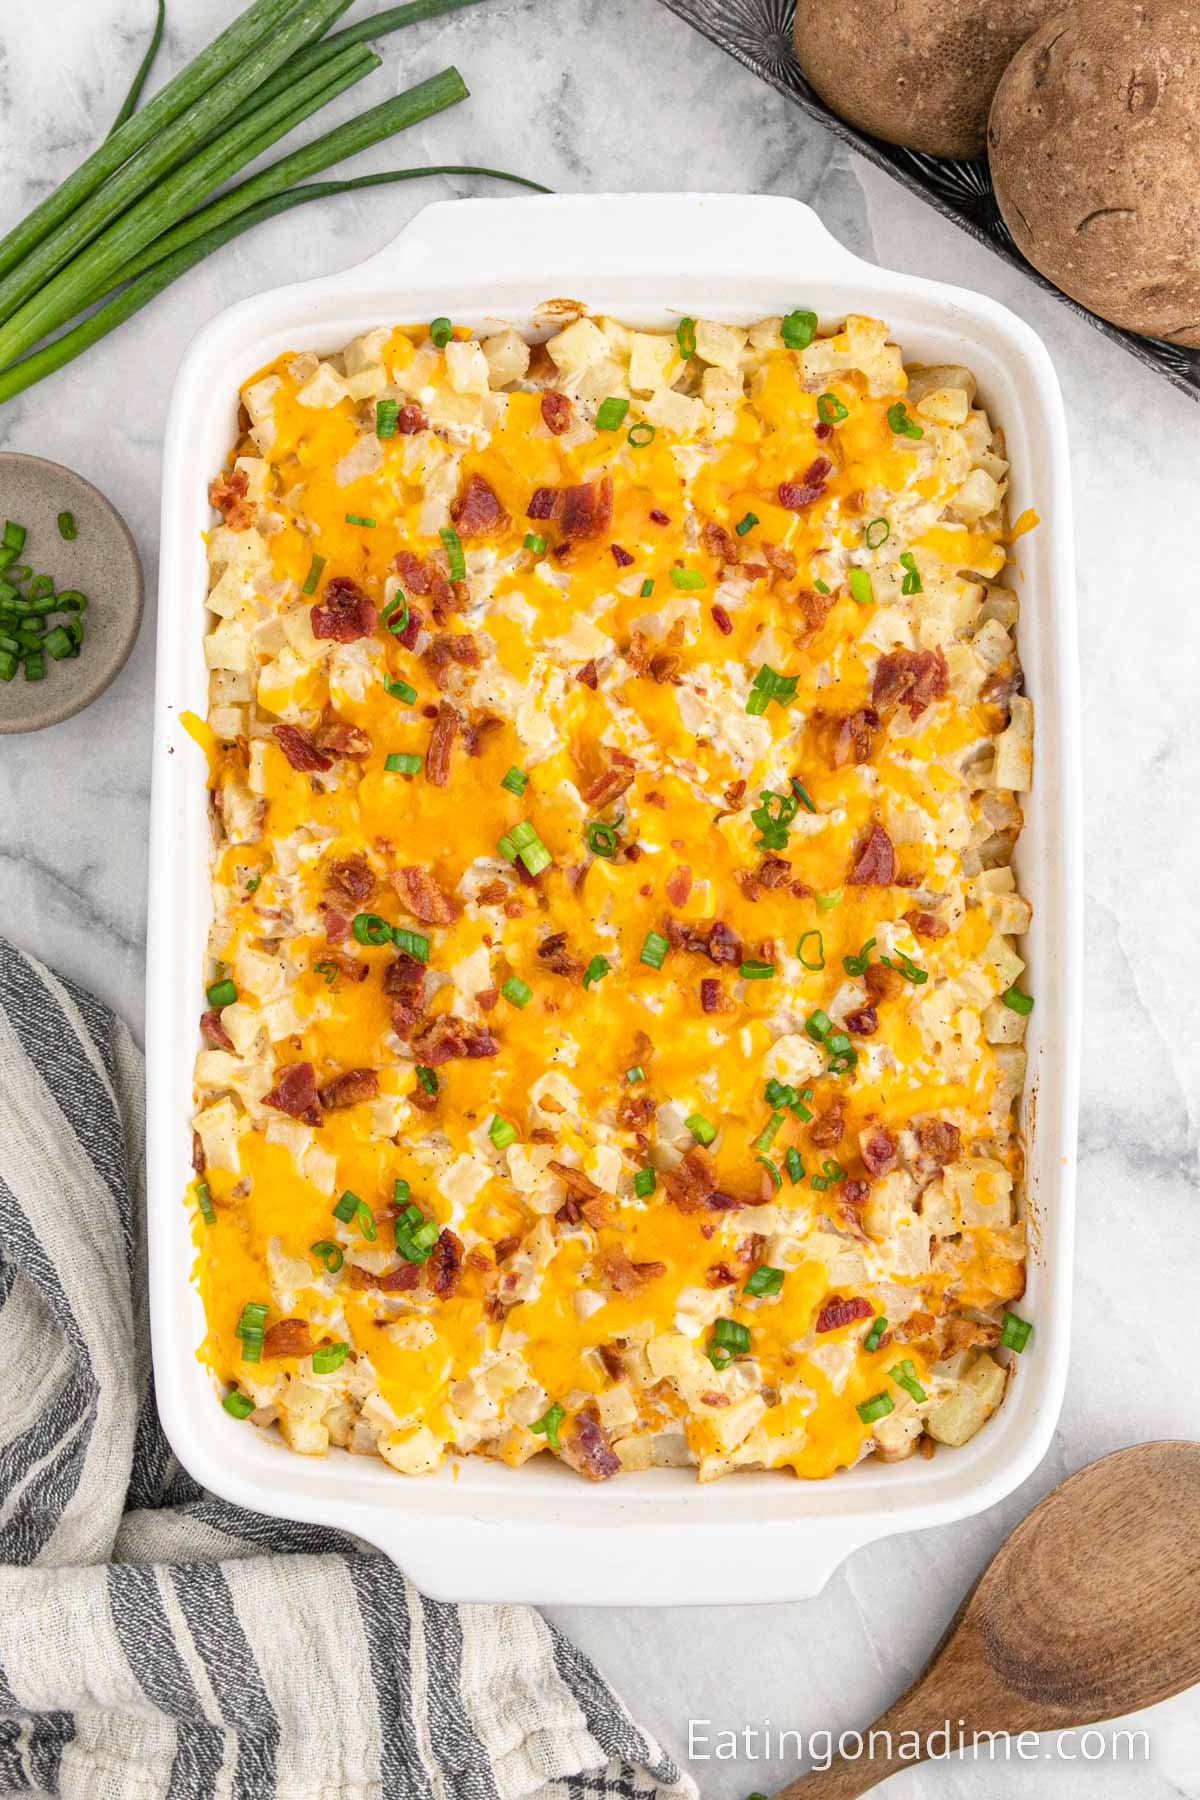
[(155, 1641)]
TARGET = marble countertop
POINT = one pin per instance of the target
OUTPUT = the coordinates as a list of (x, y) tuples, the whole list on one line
[(621, 95)]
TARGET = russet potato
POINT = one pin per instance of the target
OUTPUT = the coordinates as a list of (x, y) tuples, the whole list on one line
[(1094, 144), (920, 73)]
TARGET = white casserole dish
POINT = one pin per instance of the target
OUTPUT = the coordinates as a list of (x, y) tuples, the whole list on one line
[(479, 1530)]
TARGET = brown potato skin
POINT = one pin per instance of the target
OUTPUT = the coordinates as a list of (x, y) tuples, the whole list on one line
[(919, 73), (1094, 144)]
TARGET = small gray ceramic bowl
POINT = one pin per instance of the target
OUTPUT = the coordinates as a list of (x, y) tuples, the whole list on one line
[(102, 561)]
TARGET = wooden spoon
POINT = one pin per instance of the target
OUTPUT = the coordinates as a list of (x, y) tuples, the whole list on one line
[(1090, 1609)]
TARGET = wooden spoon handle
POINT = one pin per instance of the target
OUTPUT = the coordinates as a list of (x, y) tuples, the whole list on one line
[(845, 1778)]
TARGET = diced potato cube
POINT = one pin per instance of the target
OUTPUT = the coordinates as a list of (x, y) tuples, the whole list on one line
[(578, 347), (507, 356), (653, 361), (959, 1414), (675, 412), (228, 647), (368, 384), (1013, 767), (981, 1191), (1001, 1025), (325, 388), (934, 376), (467, 367), (944, 406), (977, 495), (416, 1452), (366, 352), (720, 344)]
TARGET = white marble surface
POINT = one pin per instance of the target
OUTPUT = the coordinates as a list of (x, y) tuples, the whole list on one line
[(618, 94)]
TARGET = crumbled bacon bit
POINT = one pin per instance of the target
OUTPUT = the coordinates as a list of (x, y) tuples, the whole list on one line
[(712, 996), (420, 895), (411, 419), (400, 1280), (883, 982), (337, 925), (446, 1038), (614, 1362), (348, 1088), (940, 1140), (288, 1337), (587, 509), (586, 1447), (877, 1147), (875, 860), (912, 678), (659, 516), (349, 966), (926, 924), (618, 1272), (721, 1274), (199, 1160), (554, 953), (720, 544), (350, 882), (477, 512), (300, 750), (722, 620), (448, 649), (635, 1111), (828, 1126), (556, 412), (621, 557), (822, 431), (578, 1184), (609, 786), (441, 743), (588, 676), (836, 1313), (445, 1264), (796, 495), (814, 606), (679, 884), (295, 1093), (863, 1022), (543, 503), (855, 737), (782, 561), (227, 495), (339, 738), (343, 613), (212, 1030)]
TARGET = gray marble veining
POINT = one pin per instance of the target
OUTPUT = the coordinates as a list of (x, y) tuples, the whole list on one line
[(620, 95)]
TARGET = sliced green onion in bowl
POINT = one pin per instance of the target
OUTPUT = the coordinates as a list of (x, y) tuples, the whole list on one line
[(610, 414), (799, 329), (441, 331)]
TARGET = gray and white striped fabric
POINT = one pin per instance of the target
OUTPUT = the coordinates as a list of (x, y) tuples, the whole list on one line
[(155, 1641)]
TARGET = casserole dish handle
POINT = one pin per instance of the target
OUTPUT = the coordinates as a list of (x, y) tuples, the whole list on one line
[(454, 237)]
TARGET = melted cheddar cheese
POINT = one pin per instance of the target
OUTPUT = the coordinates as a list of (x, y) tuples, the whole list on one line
[(616, 750)]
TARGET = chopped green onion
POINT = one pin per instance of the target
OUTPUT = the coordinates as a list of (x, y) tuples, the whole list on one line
[(415, 1234), (654, 949), (366, 1221), (328, 1357), (395, 614), (687, 578), (685, 337), (732, 1336), (58, 643), (1016, 1001), (252, 1347), (515, 781), (402, 762), (369, 928), (831, 1172), (905, 1376), (827, 902), (441, 331), (547, 1426), (204, 1202), (756, 971), (871, 1341), (773, 686), (315, 568), (400, 1192), (328, 1253), (719, 1358), (820, 952), (912, 580), (641, 434), (70, 600), (702, 1129), (346, 1207), (456, 561), (35, 665), (1015, 1332), (746, 523), (254, 883), (773, 815), (222, 993), (822, 587), (798, 330), (14, 536), (769, 1132), (830, 410), (413, 943), (427, 1078), (360, 519), (501, 1132), (254, 1317), (517, 992), (610, 414), (536, 542), (898, 419), (904, 965), (764, 1280), (818, 1025), (67, 527), (877, 533), (596, 970), (794, 1165), (644, 1183), (757, 702), (772, 1171), (862, 588), (601, 837), (647, 588), (238, 1406), (400, 690), (387, 413), (878, 1407), (636, 1073), (857, 965), (329, 970), (8, 662)]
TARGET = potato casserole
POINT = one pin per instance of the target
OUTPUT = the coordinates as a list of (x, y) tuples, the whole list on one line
[(613, 1034)]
